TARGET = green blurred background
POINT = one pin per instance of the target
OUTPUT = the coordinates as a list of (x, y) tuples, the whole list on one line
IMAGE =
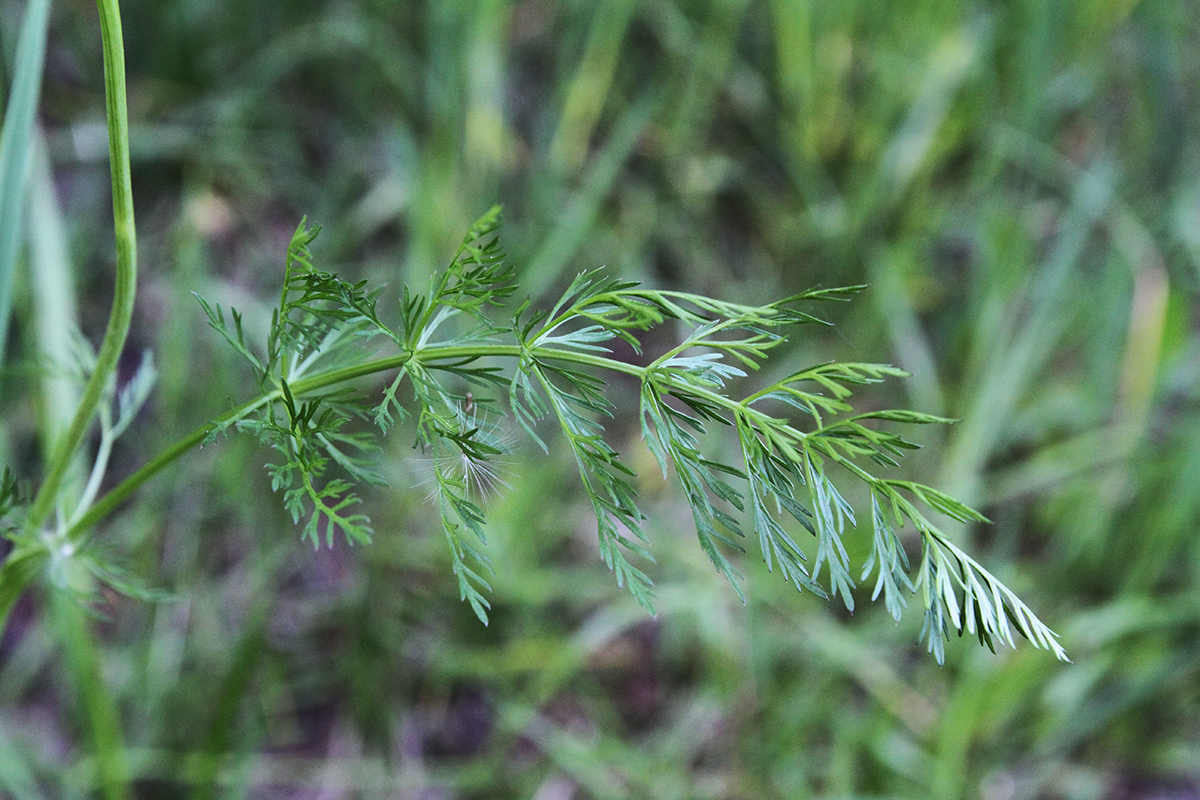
[(1018, 181)]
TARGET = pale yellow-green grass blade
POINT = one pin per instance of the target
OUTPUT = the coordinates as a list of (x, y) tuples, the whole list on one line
[(55, 305), (15, 145)]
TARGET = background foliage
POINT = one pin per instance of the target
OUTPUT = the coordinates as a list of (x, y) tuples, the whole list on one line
[(1018, 181)]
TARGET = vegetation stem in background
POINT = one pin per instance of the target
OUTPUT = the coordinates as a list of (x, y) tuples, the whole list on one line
[(125, 284), (16, 147)]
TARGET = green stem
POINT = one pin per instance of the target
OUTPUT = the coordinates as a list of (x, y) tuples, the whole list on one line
[(82, 654), (83, 661), (126, 279), (118, 494), (107, 504)]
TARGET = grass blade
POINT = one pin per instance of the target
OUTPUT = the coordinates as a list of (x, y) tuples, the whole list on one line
[(16, 141)]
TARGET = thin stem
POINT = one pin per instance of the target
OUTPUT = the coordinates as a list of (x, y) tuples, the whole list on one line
[(109, 503), (82, 659), (126, 278), (81, 650), (99, 467)]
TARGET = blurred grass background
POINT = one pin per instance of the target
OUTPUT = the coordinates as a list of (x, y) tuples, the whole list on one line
[(1018, 181)]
